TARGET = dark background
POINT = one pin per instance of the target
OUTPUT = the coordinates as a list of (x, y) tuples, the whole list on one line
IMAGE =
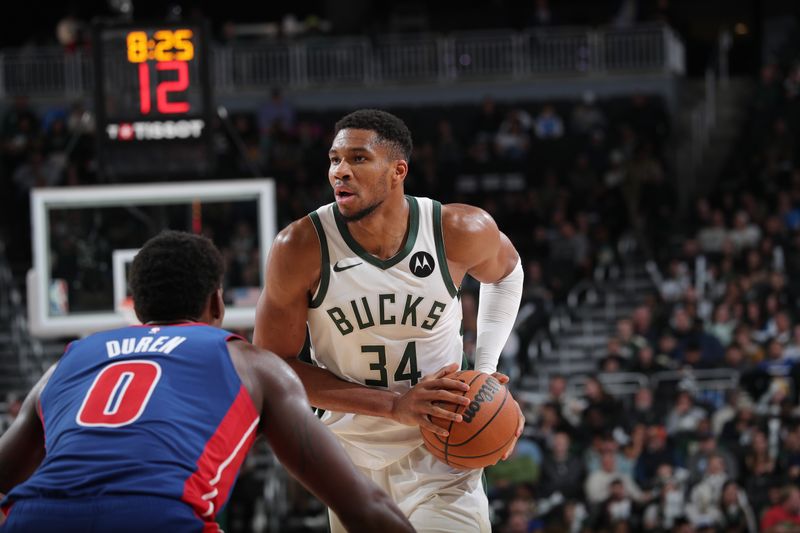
[(698, 21)]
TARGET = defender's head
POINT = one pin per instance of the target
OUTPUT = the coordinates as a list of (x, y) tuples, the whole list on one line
[(178, 276)]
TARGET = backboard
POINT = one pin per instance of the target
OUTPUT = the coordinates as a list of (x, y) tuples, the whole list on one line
[(84, 239)]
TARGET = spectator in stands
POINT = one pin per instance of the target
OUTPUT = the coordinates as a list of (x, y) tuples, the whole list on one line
[(707, 491), (19, 133), (657, 452), (738, 433), (759, 469), (488, 121), (630, 341), (448, 149), (569, 406), (645, 362), (548, 425), (586, 116), (618, 508), (792, 350), (700, 459), (744, 234), (674, 286), (643, 411), (642, 319), (603, 412), (562, 471), (786, 515), (39, 171), (753, 352), (684, 416), (780, 380), (598, 484), (722, 325), (706, 350), (664, 512), (779, 328), (789, 457), (521, 513), (548, 124), (71, 32), (512, 140), (737, 514), (734, 398), (276, 111), (583, 182), (712, 238)]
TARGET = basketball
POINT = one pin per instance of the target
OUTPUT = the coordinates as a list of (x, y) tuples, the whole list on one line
[(488, 426)]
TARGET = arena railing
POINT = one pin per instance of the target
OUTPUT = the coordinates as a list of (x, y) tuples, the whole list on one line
[(387, 60), (709, 384)]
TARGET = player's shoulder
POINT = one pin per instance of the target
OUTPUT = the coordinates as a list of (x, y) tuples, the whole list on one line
[(260, 369), (298, 240), (466, 221), (468, 232)]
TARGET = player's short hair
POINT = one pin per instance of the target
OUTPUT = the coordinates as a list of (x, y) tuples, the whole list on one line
[(390, 129), (173, 275)]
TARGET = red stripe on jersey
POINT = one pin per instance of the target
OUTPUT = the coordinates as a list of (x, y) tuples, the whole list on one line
[(208, 488), (41, 420), (5, 510)]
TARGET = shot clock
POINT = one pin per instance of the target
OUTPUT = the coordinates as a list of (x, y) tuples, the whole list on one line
[(153, 100)]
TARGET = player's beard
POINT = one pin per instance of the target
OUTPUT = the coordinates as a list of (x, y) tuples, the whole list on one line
[(381, 191), (355, 217)]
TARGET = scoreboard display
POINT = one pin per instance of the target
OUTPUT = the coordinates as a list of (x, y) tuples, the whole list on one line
[(152, 100)]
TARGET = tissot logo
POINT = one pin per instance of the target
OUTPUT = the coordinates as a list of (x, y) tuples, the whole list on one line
[(422, 264)]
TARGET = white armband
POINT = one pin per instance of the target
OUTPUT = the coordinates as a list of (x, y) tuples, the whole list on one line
[(497, 311)]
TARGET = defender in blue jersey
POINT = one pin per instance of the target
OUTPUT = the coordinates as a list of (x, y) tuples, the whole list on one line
[(144, 428)]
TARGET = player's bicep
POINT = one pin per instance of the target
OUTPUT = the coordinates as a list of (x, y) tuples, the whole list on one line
[(22, 445), (280, 323), (282, 308), (495, 266), (473, 240)]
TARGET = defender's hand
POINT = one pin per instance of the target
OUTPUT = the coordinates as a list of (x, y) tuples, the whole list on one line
[(415, 407)]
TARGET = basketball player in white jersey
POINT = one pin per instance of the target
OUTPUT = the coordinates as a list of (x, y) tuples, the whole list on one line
[(375, 275)]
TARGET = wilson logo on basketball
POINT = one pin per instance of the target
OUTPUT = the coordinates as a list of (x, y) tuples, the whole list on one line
[(485, 394), (422, 264)]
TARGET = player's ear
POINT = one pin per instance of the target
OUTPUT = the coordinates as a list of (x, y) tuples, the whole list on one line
[(216, 307), (400, 172)]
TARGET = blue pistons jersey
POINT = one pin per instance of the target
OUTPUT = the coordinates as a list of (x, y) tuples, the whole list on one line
[(148, 411)]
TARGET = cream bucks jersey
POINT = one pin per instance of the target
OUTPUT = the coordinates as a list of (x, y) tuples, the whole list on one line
[(383, 324)]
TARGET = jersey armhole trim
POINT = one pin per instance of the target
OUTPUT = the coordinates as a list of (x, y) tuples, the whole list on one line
[(39, 406), (325, 267), (438, 236)]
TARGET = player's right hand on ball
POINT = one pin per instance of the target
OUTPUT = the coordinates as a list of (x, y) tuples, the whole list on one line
[(421, 402)]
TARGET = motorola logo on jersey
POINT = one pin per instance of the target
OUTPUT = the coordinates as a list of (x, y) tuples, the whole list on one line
[(422, 264)]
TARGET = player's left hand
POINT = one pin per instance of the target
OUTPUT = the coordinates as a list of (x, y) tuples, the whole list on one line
[(502, 378)]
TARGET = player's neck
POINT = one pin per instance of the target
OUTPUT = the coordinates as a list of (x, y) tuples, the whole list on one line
[(383, 232), (173, 322)]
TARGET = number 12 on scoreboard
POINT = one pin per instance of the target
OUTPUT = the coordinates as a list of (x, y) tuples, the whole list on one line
[(164, 88)]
